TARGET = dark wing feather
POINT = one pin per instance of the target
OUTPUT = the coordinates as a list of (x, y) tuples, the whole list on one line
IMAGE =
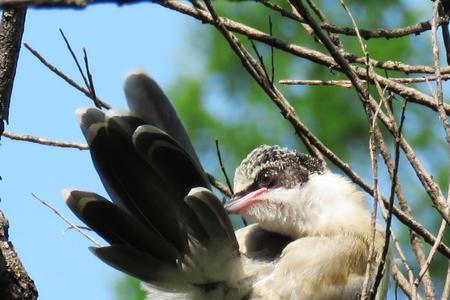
[(212, 216), (208, 198), (140, 189), (162, 215), (102, 216), (133, 262), (168, 159), (146, 99)]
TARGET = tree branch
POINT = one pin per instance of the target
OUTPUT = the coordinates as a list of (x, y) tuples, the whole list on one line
[(15, 284), (12, 24), (14, 280)]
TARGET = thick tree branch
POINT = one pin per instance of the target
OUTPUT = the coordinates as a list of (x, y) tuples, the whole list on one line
[(12, 25), (15, 284)]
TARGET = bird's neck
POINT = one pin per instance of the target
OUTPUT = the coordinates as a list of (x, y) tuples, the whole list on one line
[(340, 207), (328, 204)]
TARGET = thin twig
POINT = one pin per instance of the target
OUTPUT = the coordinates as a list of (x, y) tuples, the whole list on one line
[(379, 273), (334, 37), (64, 76), (59, 214), (367, 34), (281, 10), (219, 156), (439, 97), (337, 83), (68, 228), (446, 290), (446, 39), (43, 141), (444, 30), (260, 59), (402, 256), (219, 185), (442, 115), (439, 238), (72, 53), (272, 73), (348, 84), (90, 86), (402, 282), (416, 241), (373, 213)]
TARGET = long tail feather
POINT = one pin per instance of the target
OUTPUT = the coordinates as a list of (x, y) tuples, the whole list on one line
[(139, 188), (133, 262), (164, 226), (102, 216), (146, 99)]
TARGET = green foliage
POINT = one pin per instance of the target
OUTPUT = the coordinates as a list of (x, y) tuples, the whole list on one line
[(129, 289)]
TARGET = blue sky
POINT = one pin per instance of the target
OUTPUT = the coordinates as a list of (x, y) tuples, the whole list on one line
[(117, 39)]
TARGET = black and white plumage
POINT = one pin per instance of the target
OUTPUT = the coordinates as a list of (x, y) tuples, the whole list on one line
[(165, 227)]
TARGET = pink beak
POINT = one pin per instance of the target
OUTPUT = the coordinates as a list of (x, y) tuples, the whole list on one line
[(239, 205)]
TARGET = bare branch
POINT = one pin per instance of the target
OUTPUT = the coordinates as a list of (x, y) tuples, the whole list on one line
[(62, 3), (337, 83), (439, 238), (90, 85), (439, 97), (384, 33), (381, 266), (12, 24), (72, 225), (219, 185), (402, 282), (43, 141), (219, 156), (348, 84), (65, 77), (446, 290)]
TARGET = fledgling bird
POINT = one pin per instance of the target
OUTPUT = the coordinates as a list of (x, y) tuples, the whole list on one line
[(311, 233), (295, 195)]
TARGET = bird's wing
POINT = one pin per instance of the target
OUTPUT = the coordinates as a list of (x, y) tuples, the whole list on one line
[(146, 100), (259, 244), (317, 268), (163, 225)]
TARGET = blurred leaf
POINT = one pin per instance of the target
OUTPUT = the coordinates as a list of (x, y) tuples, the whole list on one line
[(129, 288)]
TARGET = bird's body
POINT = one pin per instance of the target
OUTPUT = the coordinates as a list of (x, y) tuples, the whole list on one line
[(311, 235), (323, 214)]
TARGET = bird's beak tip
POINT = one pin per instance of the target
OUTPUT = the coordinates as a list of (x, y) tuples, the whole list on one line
[(238, 205)]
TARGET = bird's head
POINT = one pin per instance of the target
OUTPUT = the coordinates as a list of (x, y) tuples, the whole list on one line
[(292, 193)]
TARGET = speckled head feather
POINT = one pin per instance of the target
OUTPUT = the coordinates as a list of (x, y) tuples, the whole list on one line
[(286, 168)]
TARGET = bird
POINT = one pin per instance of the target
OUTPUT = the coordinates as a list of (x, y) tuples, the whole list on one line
[(311, 231)]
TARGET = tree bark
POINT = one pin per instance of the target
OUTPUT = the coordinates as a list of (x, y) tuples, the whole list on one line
[(15, 284)]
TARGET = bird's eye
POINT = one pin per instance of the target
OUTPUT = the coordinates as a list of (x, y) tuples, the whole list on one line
[(267, 178)]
